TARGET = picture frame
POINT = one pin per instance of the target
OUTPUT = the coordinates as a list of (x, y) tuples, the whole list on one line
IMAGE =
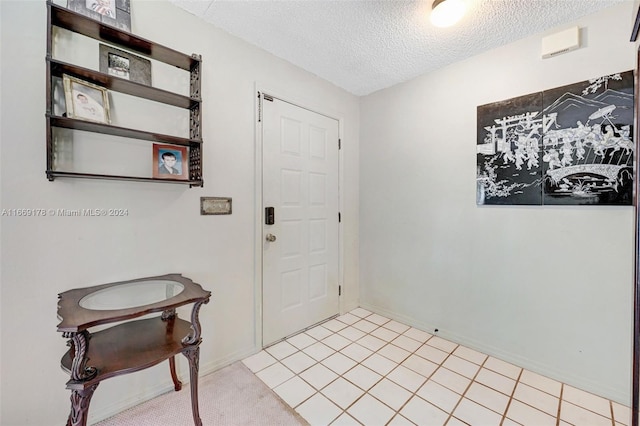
[(128, 66), (86, 101), (170, 162), (116, 13)]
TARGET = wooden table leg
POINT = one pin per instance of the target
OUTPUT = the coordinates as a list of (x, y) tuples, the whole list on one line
[(80, 399), (177, 384), (193, 355)]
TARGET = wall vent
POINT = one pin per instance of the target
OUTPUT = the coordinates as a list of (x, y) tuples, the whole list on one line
[(560, 42)]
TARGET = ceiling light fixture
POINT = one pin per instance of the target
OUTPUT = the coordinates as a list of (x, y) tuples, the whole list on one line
[(447, 12)]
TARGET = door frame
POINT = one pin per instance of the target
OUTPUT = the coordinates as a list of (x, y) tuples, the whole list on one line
[(635, 369), (300, 101)]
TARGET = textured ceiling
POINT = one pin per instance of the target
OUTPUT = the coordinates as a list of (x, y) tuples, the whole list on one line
[(367, 45)]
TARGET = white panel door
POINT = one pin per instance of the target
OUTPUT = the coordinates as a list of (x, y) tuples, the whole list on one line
[(300, 249)]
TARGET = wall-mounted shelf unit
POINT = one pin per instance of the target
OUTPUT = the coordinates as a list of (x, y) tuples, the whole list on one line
[(77, 23)]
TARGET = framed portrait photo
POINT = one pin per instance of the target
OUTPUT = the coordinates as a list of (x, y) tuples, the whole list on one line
[(116, 13), (119, 63), (170, 162), (85, 101)]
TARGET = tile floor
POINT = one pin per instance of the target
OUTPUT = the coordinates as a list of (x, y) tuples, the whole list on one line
[(363, 368)]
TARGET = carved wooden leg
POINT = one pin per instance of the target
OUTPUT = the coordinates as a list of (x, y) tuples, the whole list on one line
[(79, 343), (177, 384), (80, 399), (193, 355), (169, 316)]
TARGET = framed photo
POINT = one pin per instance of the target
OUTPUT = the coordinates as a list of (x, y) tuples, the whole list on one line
[(116, 13), (170, 162), (85, 101), (124, 65)]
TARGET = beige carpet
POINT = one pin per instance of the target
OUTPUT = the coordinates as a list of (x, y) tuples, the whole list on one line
[(232, 396)]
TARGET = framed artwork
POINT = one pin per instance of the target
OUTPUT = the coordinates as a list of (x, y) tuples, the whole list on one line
[(571, 145), (85, 101), (116, 13), (119, 63), (170, 162)]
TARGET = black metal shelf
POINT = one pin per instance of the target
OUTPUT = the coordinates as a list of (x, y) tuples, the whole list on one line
[(52, 174), (62, 17), (107, 129), (58, 68), (73, 21)]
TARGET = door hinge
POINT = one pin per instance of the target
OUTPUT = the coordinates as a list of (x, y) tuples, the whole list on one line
[(339, 290), (339, 217), (339, 144), (262, 96)]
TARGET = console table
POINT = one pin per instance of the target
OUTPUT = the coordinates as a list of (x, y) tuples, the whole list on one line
[(130, 345)]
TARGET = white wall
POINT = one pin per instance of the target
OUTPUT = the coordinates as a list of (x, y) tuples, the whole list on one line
[(548, 288), (44, 256)]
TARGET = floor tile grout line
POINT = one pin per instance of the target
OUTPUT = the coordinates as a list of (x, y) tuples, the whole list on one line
[(528, 404), (613, 419), (341, 375), (366, 392), (583, 408), (560, 404), (492, 388), (410, 353), (538, 389), (588, 409), (304, 330), (426, 378), (461, 396), (385, 376), (513, 392), (382, 376), (441, 364), (473, 380), (399, 334)]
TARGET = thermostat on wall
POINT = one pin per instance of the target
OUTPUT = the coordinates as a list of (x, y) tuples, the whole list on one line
[(561, 42)]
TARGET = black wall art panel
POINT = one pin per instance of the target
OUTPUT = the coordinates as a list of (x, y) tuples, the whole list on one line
[(509, 140), (572, 145)]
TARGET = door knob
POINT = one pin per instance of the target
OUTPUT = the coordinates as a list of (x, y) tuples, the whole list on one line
[(271, 238)]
